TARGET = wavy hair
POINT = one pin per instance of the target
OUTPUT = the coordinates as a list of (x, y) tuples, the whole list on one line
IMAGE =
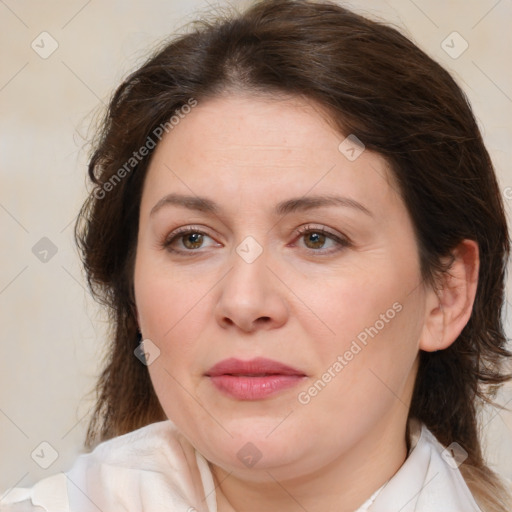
[(373, 82)]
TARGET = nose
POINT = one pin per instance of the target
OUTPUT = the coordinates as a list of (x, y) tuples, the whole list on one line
[(251, 296)]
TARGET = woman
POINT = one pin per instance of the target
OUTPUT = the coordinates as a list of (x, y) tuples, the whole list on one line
[(300, 237)]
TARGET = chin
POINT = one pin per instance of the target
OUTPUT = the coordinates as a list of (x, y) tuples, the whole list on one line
[(256, 445)]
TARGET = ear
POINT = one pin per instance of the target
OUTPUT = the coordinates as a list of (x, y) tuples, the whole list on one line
[(449, 307)]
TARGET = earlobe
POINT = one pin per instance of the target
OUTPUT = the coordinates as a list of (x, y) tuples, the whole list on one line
[(449, 307)]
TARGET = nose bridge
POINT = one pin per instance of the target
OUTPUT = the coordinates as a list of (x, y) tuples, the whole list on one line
[(250, 295), (247, 279)]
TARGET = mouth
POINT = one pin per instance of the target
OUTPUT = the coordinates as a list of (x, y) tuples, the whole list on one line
[(253, 380)]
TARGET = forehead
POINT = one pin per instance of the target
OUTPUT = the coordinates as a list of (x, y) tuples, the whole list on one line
[(263, 150)]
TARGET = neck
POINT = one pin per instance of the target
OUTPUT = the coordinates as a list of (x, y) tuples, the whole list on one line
[(341, 486)]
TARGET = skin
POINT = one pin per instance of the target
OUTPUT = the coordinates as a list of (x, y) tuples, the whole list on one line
[(293, 304)]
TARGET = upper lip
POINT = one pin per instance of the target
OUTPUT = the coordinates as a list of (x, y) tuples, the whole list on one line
[(254, 367)]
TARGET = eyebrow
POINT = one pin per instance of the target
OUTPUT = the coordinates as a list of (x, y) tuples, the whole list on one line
[(206, 205)]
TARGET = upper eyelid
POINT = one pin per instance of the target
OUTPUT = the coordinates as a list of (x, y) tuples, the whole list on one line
[(321, 229), (299, 232)]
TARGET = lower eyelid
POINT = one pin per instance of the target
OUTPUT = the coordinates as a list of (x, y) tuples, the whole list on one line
[(338, 246), (179, 236), (166, 243)]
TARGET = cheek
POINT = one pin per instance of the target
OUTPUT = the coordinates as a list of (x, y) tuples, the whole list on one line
[(172, 309), (166, 300), (360, 382), (373, 354), (361, 303), (374, 326)]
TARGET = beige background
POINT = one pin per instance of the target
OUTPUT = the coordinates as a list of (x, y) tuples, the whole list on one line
[(51, 330)]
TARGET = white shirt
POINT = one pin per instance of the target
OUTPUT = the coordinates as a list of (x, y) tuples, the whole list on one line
[(155, 469)]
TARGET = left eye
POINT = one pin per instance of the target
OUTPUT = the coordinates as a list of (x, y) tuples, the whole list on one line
[(316, 240)]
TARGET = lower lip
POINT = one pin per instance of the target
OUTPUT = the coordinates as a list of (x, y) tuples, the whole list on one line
[(254, 388)]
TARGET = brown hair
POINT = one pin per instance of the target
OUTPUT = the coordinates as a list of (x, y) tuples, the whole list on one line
[(374, 83)]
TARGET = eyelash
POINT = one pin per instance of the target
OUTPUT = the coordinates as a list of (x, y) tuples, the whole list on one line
[(167, 241)]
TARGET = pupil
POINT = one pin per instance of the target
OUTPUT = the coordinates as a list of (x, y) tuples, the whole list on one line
[(317, 239), (194, 240)]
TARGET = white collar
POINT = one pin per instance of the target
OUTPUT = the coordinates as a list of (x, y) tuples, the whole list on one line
[(156, 468), (428, 481)]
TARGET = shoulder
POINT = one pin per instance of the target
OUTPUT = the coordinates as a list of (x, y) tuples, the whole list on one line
[(429, 480), (49, 494), (446, 462), (140, 448), (119, 466)]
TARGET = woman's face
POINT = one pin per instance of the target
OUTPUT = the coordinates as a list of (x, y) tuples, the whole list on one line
[(277, 273)]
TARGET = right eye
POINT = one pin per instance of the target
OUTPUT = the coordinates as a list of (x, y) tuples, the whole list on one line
[(185, 240)]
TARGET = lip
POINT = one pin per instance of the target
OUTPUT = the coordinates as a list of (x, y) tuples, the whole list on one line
[(254, 379)]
